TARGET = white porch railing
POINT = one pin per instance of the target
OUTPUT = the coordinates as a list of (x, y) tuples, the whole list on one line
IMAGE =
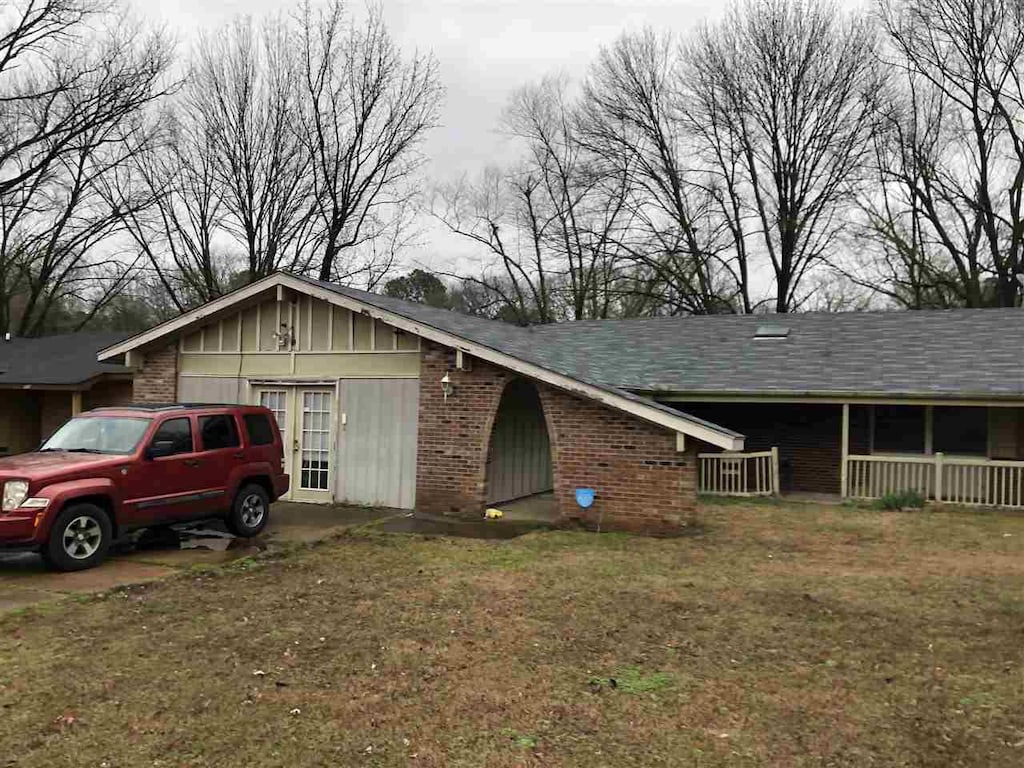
[(739, 474), (952, 480)]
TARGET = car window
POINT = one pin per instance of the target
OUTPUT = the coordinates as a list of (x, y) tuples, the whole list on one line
[(98, 434), (259, 429), (218, 431), (178, 432)]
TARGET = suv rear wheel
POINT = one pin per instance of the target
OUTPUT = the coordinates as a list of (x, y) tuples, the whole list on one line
[(249, 512), (79, 538)]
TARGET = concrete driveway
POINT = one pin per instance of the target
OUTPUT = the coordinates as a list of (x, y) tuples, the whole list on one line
[(24, 580)]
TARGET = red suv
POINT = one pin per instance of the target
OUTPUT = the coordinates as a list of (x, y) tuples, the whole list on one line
[(110, 470)]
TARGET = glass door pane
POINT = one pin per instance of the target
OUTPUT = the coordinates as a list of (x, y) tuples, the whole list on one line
[(315, 440), (276, 401)]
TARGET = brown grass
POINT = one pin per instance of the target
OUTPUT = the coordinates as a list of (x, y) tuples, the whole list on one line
[(783, 636)]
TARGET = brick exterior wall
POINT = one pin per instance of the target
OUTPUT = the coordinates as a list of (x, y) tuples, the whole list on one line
[(454, 436), (107, 393), (809, 437), (156, 380), (643, 484), (54, 410)]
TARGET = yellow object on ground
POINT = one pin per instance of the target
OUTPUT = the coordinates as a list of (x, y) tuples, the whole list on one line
[(493, 514)]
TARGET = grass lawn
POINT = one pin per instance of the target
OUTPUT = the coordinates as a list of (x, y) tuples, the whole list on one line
[(778, 635)]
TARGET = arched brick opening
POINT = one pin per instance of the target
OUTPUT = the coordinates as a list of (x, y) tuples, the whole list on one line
[(520, 465), (454, 432), (643, 482)]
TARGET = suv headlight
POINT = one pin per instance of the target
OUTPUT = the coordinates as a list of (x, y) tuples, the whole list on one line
[(15, 492)]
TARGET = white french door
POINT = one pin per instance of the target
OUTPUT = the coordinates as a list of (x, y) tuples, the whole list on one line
[(305, 417), (313, 455), (278, 402)]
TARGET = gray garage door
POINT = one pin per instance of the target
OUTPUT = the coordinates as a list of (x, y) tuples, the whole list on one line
[(377, 442)]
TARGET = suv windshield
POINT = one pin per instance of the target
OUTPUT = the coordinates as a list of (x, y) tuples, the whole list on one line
[(98, 434)]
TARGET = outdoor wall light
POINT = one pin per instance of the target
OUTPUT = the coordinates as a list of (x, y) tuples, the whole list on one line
[(447, 387)]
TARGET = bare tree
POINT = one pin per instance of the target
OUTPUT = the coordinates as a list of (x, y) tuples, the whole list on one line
[(74, 78), (635, 122), (946, 220), (244, 93), (552, 228), (177, 235), (790, 87), (365, 111)]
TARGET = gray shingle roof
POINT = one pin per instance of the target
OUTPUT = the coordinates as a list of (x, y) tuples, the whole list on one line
[(947, 353), (61, 360)]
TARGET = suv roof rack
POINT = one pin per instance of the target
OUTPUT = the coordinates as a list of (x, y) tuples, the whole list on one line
[(166, 406)]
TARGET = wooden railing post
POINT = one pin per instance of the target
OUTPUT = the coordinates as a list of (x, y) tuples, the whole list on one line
[(775, 471), (938, 476)]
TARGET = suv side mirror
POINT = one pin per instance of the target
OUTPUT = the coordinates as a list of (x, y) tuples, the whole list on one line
[(160, 448)]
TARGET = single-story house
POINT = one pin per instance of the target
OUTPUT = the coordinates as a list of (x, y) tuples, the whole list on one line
[(389, 402), (45, 380)]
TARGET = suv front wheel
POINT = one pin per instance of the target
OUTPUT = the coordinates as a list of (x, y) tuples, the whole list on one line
[(249, 512), (79, 538)]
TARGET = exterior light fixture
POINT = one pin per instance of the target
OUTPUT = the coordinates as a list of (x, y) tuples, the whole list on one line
[(447, 387), (284, 337)]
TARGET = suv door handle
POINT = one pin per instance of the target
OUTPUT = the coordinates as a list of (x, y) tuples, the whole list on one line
[(191, 462), (238, 455)]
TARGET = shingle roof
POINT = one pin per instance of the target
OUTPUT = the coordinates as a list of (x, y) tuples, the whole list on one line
[(945, 353), (61, 360)]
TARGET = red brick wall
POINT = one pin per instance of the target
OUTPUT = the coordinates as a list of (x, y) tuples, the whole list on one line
[(808, 437), (156, 380), (454, 436), (642, 483), (106, 393), (54, 410)]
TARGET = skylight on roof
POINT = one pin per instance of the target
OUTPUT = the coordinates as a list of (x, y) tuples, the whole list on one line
[(771, 332)]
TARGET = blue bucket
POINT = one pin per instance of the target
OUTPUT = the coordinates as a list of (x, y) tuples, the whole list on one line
[(585, 497)]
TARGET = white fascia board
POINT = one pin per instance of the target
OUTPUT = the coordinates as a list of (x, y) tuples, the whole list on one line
[(679, 424)]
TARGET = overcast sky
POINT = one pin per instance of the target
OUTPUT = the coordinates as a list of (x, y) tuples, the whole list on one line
[(485, 49)]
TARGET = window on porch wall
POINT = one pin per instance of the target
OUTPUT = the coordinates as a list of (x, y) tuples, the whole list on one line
[(898, 429), (953, 430), (961, 431)]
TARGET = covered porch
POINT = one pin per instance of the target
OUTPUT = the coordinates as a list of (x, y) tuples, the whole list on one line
[(955, 454), (962, 453)]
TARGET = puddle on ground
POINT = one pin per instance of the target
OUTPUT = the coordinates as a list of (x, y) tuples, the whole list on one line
[(472, 529), (199, 536)]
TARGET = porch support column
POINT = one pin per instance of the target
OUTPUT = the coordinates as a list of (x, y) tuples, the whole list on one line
[(76, 403), (929, 429), (844, 479)]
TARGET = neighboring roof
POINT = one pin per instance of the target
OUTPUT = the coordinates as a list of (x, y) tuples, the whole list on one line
[(67, 360)]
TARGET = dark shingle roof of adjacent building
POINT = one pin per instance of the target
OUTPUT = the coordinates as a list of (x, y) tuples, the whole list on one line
[(61, 360), (943, 354)]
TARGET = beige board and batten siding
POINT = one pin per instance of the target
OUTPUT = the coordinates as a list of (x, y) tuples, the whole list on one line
[(211, 389), (300, 324), (316, 340), (376, 447), (377, 368)]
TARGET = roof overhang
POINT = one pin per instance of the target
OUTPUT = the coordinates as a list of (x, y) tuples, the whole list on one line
[(840, 398), (616, 399), (70, 386)]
